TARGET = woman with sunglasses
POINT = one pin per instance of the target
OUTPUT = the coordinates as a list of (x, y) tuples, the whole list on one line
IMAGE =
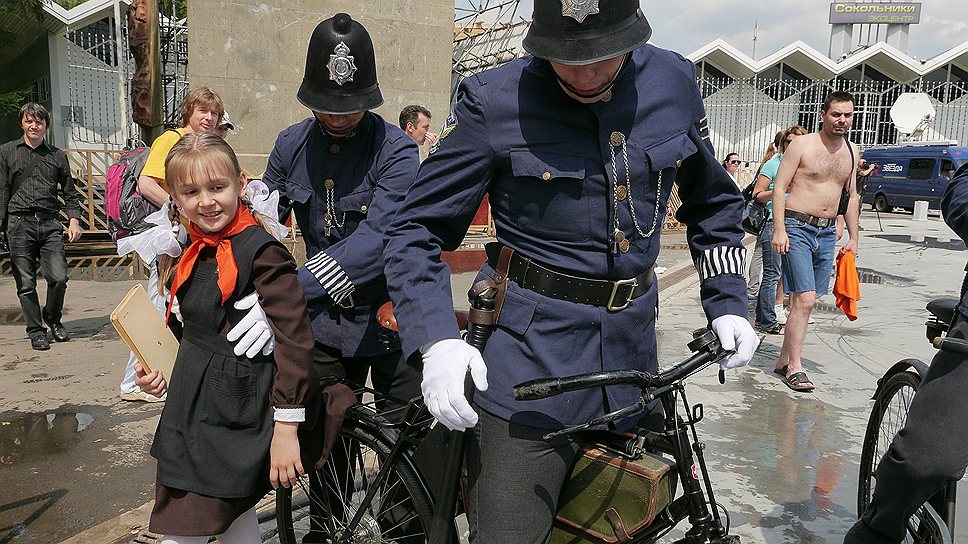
[(769, 303)]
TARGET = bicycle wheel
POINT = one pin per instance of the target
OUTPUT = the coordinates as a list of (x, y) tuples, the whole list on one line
[(323, 503), (887, 418)]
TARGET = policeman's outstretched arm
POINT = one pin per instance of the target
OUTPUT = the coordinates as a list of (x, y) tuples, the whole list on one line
[(712, 209), (446, 363), (253, 333)]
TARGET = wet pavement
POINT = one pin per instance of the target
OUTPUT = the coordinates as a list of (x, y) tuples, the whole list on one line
[(72, 456)]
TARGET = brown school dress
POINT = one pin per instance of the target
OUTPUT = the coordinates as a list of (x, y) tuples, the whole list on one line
[(212, 442)]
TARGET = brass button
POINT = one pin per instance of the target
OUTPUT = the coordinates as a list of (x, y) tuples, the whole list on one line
[(621, 192), (616, 139), (363, 208), (624, 246), (546, 176), (607, 96), (330, 184), (334, 149)]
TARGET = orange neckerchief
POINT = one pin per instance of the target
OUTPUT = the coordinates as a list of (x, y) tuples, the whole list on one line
[(228, 272)]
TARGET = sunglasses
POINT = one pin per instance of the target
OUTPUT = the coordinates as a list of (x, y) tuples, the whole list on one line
[(735, 162)]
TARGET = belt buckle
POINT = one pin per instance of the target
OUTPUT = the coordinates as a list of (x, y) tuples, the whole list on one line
[(347, 302), (611, 305)]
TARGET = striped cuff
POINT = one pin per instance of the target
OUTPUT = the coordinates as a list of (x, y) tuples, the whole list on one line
[(721, 260), (289, 415), (330, 275)]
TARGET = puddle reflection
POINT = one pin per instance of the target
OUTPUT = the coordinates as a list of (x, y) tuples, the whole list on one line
[(954, 244), (25, 436)]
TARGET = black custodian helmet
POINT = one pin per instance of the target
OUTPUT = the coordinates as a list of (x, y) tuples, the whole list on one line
[(585, 31), (340, 74)]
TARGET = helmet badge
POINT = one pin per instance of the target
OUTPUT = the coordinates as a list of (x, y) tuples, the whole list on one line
[(340, 65), (578, 9)]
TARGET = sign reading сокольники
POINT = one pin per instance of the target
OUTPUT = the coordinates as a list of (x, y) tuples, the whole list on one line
[(893, 13)]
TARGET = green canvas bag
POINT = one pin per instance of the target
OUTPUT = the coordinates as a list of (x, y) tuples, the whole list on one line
[(610, 497)]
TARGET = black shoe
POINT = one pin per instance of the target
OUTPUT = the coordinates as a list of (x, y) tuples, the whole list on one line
[(58, 331), (39, 341)]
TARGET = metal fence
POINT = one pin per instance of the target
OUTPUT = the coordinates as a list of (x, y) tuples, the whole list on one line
[(745, 114)]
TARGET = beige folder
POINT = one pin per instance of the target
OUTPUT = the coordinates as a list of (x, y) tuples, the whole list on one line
[(143, 329)]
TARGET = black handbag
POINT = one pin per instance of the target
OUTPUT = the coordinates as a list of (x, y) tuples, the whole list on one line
[(754, 217), (845, 194)]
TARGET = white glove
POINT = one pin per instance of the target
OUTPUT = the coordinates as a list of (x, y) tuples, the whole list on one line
[(175, 307), (253, 329), (445, 366), (736, 333)]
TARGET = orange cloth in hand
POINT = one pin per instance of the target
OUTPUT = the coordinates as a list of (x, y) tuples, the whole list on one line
[(847, 286)]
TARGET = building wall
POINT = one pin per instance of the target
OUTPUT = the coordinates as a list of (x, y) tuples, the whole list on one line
[(253, 52)]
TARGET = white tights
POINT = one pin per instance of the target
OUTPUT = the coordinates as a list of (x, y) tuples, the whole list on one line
[(244, 530)]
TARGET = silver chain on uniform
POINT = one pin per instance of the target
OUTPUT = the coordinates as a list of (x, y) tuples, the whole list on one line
[(628, 181), (329, 218)]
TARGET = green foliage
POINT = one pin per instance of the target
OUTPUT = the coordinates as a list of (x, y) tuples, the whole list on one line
[(34, 8), (180, 6), (11, 102), (68, 4)]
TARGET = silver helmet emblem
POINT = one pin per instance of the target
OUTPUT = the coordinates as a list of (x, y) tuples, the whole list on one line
[(578, 9), (340, 65)]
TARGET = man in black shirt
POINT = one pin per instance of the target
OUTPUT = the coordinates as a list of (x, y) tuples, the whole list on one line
[(33, 174)]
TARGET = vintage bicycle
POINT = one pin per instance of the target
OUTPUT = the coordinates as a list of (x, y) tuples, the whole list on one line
[(382, 489), (933, 523)]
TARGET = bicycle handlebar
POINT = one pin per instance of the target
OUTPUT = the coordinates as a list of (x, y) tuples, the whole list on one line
[(549, 387)]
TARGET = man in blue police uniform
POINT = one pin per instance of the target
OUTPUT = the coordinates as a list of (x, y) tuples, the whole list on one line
[(930, 449), (343, 171), (577, 148)]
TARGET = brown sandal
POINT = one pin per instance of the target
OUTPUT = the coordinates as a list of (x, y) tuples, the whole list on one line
[(797, 381)]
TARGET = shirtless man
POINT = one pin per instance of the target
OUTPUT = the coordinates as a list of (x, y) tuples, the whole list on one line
[(815, 170)]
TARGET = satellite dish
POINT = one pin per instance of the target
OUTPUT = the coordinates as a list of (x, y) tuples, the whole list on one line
[(912, 113)]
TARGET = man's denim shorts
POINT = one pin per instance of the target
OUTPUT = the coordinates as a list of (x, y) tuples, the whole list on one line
[(808, 264)]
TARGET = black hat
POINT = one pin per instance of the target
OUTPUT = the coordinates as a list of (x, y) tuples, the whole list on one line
[(340, 72), (585, 31)]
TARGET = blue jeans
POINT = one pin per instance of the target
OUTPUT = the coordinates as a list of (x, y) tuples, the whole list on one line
[(31, 238), (810, 259), (766, 299)]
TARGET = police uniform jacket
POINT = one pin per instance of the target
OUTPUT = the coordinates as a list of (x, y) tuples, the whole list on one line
[(954, 208), (359, 181), (550, 169)]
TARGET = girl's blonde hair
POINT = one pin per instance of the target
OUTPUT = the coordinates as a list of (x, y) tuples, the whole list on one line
[(198, 156)]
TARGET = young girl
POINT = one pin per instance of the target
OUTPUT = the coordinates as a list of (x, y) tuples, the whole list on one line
[(219, 446)]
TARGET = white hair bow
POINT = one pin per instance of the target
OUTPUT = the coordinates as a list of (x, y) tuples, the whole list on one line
[(267, 204)]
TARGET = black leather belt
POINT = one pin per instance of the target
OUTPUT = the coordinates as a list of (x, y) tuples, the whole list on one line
[(367, 295), (810, 219), (614, 295)]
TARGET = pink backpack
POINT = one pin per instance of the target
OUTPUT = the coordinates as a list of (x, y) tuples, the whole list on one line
[(126, 208)]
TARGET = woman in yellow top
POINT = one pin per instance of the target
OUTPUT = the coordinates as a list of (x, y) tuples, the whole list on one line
[(201, 110)]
